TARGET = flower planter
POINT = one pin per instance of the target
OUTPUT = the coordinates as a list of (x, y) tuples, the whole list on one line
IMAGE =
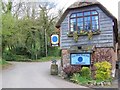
[(84, 33), (54, 69)]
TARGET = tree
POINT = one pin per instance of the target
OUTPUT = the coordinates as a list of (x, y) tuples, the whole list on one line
[(47, 21), (31, 31)]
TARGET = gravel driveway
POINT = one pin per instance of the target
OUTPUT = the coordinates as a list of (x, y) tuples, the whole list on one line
[(33, 75)]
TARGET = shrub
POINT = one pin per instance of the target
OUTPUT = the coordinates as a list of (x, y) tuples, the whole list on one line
[(85, 72), (83, 80), (21, 58), (76, 78), (103, 71), (3, 62), (69, 70), (7, 55), (54, 51)]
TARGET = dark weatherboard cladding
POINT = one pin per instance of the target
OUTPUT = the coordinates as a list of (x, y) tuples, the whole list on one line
[(107, 27)]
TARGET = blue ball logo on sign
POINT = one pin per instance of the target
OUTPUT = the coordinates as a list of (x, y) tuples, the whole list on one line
[(80, 59), (54, 39)]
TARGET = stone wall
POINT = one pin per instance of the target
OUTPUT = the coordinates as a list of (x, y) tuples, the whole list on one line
[(65, 57), (118, 54), (105, 54), (100, 54)]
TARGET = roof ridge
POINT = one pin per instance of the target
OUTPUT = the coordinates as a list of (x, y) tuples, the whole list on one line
[(82, 3)]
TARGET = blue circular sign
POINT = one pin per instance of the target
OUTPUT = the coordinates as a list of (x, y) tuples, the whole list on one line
[(54, 39), (80, 59)]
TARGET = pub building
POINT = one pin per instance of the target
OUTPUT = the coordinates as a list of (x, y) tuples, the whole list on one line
[(88, 34)]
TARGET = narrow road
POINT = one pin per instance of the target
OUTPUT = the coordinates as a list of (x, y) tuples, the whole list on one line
[(33, 75)]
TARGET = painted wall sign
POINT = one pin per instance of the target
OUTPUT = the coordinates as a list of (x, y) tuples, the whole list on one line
[(55, 40), (80, 59)]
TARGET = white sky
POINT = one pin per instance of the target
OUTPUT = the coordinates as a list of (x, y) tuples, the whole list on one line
[(111, 5)]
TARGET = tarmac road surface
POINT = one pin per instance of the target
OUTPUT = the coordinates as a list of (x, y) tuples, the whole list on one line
[(33, 75)]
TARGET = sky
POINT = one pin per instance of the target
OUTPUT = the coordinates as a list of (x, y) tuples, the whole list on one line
[(111, 5)]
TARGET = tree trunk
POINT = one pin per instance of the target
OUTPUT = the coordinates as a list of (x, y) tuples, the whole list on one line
[(46, 43), (36, 56)]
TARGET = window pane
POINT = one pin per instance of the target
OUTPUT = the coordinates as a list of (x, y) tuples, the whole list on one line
[(94, 12), (95, 27), (94, 17), (71, 29), (94, 22), (80, 24), (87, 25), (73, 15), (86, 13), (72, 20), (80, 20), (73, 24), (87, 18), (80, 28), (79, 14)]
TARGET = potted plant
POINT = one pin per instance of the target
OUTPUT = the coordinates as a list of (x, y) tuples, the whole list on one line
[(90, 34), (75, 36)]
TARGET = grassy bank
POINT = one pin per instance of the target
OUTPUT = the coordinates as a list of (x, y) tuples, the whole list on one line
[(42, 59), (49, 58), (4, 64)]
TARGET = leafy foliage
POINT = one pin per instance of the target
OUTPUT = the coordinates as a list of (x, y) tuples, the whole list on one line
[(103, 71), (75, 78), (54, 51), (7, 55), (69, 70), (85, 72), (79, 79), (90, 35), (75, 36), (3, 62), (29, 33)]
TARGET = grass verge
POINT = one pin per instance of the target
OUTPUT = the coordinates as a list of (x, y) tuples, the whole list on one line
[(49, 58), (4, 64)]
